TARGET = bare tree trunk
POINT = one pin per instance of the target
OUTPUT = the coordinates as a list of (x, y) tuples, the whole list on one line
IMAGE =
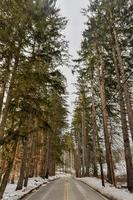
[(101, 163), (4, 112), (2, 92), (34, 158), (5, 80), (43, 155), (109, 159), (95, 130), (78, 155), (46, 171), (77, 164), (29, 159), (83, 144), (95, 170), (100, 154), (8, 170), (52, 166), (87, 155), (13, 173), (2, 164), (124, 81), (22, 168), (127, 148)]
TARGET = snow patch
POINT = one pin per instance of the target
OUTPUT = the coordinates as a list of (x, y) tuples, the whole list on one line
[(33, 183), (109, 191)]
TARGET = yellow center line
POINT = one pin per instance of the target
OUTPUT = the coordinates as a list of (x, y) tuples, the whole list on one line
[(66, 190)]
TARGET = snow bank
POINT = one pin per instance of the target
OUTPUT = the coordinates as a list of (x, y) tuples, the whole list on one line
[(33, 183), (52, 178), (62, 175), (120, 168), (109, 191)]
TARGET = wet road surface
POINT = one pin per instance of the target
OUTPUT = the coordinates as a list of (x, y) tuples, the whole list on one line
[(65, 189)]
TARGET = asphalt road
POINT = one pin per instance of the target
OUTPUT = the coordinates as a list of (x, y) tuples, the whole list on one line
[(65, 189)]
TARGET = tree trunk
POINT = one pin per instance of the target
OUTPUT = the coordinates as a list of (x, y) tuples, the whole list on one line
[(78, 156), (6, 76), (2, 92), (29, 159), (8, 170), (95, 130), (127, 148), (13, 173), (46, 171), (43, 154), (109, 159), (124, 81), (95, 171), (100, 158), (83, 144), (4, 112), (2, 164), (22, 169), (77, 165)]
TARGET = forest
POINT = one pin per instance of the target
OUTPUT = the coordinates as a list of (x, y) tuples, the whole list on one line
[(103, 117), (32, 90), (34, 127)]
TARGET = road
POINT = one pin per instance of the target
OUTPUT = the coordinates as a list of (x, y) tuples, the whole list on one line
[(65, 189)]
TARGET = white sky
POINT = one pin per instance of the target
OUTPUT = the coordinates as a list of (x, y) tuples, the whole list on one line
[(71, 9)]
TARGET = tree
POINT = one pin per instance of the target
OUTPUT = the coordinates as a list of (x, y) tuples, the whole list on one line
[(104, 59), (33, 48)]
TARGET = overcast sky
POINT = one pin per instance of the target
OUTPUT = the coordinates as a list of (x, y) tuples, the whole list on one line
[(71, 9)]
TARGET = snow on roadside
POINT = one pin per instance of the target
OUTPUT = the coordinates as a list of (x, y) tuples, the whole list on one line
[(11, 194), (109, 191), (63, 175)]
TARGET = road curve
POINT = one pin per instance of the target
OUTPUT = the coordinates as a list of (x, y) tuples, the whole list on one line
[(65, 189)]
